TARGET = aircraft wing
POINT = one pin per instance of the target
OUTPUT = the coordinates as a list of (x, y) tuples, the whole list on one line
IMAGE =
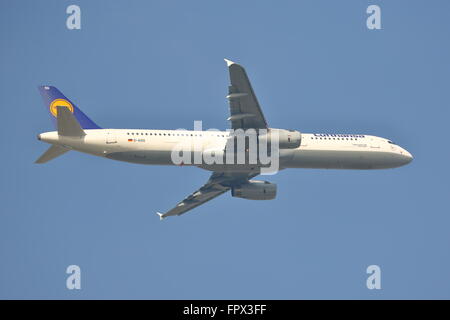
[(218, 183), (245, 111)]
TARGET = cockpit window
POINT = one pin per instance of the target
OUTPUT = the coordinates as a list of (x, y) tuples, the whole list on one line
[(390, 142)]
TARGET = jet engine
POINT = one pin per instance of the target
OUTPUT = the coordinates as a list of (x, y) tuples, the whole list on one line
[(287, 139), (255, 190)]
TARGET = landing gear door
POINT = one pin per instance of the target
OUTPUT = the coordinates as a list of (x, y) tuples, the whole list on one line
[(111, 138)]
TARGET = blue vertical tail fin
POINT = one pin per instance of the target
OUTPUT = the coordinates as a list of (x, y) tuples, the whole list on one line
[(53, 98)]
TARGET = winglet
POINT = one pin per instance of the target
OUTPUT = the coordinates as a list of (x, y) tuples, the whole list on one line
[(229, 62), (161, 215)]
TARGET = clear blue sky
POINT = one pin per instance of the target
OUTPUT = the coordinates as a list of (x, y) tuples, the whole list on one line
[(158, 64)]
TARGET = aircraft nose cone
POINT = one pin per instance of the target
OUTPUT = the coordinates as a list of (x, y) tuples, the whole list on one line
[(407, 156), (410, 157), (39, 137)]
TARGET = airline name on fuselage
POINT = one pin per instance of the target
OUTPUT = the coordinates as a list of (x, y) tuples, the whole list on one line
[(339, 135)]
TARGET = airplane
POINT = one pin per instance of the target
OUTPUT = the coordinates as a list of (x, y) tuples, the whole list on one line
[(75, 131)]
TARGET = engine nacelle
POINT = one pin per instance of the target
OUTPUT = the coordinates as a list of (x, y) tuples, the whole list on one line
[(255, 190), (287, 139)]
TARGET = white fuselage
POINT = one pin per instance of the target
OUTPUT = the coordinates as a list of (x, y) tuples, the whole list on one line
[(329, 151)]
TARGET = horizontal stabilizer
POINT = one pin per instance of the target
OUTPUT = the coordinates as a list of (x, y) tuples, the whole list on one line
[(52, 152), (68, 124)]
